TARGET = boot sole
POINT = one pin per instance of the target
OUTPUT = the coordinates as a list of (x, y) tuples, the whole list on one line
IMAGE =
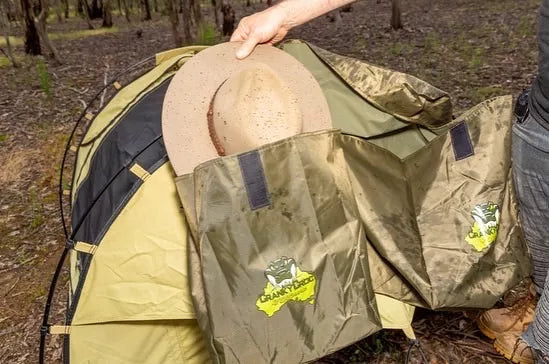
[(517, 359)]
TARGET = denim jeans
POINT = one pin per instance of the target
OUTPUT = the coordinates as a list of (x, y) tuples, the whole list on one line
[(531, 175)]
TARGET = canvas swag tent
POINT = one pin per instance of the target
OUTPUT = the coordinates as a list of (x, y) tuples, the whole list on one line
[(440, 237)]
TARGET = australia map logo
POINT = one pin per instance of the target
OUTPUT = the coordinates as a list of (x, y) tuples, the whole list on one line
[(485, 228), (285, 283)]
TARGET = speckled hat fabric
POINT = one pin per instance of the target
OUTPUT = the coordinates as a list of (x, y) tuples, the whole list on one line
[(264, 98)]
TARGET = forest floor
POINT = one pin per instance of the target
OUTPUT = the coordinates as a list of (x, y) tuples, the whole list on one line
[(472, 49)]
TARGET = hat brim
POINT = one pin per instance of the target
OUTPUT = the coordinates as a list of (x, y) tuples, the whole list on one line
[(184, 119)]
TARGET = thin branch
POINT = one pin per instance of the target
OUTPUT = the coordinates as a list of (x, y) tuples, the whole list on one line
[(105, 80)]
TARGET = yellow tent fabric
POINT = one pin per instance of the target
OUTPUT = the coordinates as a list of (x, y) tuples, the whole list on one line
[(139, 271), (395, 314), (135, 304), (145, 342)]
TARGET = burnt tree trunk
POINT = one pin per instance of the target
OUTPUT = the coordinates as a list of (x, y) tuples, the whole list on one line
[(107, 14), (146, 12), (32, 39), (228, 19), (396, 22), (96, 12), (174, 21)]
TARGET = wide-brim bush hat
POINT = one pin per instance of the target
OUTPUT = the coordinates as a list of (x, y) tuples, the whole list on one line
[(218, 105)]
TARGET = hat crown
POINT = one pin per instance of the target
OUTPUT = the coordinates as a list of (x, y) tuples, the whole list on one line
[(254, 107)]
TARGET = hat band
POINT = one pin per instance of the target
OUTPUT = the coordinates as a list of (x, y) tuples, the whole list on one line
[(211, 126)]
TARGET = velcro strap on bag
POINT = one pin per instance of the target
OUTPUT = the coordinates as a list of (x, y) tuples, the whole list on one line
[(254, 180), (461, 141)]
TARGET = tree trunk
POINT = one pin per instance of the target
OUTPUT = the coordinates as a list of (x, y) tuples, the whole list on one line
[(146, 10), (186, 15), (216, 13), (79, 9), (58, 11), (32, 40), (126, 11), (228, 19), (396, 22), (66, 7), (107, 15), (86, 9), (36, 8), (119, 3), (334, 17), (5, 28), (40, 23), (155, 6), (337, 16), (174, 21), (96, 11), (11, 11), (197, 14)]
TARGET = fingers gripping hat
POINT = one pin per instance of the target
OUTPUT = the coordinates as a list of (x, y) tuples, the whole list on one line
[(217, 105)]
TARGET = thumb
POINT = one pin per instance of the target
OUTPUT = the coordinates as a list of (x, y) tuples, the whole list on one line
[(247, 47)]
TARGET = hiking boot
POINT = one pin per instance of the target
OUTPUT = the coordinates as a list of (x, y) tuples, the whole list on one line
[(515, 349), (514, 319)]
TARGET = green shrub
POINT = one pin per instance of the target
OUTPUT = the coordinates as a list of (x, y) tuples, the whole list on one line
[(206, 34), (44, 77)]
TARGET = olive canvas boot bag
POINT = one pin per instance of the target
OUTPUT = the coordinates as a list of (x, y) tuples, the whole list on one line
[(278, 255), (435, 193)]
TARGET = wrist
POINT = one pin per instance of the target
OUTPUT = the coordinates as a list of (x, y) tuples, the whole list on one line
[(285, 11)]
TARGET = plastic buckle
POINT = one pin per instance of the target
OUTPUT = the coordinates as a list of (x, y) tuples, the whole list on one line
[(44, 330), (521, 106), (69, 244)]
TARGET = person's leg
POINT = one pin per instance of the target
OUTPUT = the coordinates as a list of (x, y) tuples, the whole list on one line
[(537, 335), (531, 175)]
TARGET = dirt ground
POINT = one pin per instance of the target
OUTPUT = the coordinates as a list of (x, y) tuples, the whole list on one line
[(472, 49)]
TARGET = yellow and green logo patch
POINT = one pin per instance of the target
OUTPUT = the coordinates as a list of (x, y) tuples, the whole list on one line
[(485, 228), (286, 282)]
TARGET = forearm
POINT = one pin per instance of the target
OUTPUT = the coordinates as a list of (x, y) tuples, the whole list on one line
[(298, 12)]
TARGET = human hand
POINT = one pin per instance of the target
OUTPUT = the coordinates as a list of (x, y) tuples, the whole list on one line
[(269, 26)]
